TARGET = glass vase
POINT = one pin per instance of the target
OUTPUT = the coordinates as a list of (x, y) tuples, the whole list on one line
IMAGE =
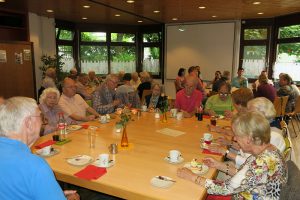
[(124, 140), (164, 118)]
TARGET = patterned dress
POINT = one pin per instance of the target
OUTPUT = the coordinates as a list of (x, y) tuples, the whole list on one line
[(259, 178)]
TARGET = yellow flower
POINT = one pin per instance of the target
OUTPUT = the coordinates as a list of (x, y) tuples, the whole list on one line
[(271, 163), (246, 195), (259, 161)]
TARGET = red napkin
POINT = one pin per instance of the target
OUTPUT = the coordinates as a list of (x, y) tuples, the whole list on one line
[(85, 126), (91, 172), (206, 151), (217, 197), (45, 144), (206, 116)]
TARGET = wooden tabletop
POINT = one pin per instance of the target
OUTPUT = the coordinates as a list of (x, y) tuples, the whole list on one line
[(130, 177)]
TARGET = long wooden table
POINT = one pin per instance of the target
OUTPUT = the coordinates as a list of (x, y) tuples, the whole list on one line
[(130, 177)]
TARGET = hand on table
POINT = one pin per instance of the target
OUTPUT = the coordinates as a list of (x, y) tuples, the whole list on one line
[(185, 173), (71, 195), (116, 102), (228, 114), (224, 141), (91, 117), (216, 149), (211, 162)]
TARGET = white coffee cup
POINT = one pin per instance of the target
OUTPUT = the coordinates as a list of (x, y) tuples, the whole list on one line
[(157, 116), (103, 160), (174, 112), (46, 150), (179, 115), (103, 119), (207, 137), (174, 155), (144, 108)]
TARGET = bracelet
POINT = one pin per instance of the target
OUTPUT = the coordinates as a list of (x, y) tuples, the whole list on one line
[(227, 168), (226, 152)]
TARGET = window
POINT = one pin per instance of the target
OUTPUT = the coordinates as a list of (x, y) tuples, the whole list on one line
[(254, 50), (65, 35), (289, 31), (152, 53), (67, 57), (94, 58), (93, 36), (122, 37), (122, 58)]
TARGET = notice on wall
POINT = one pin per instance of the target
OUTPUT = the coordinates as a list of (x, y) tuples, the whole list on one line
[(3, 56), (19, 58), (27, 54)]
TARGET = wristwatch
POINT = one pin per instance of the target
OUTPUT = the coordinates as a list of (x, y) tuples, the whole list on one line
[(226, 152)]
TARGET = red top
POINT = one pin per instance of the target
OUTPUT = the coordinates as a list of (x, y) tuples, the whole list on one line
[(188, 103)]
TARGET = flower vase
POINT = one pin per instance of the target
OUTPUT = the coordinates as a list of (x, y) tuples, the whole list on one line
[(164, 118), (124, 140)]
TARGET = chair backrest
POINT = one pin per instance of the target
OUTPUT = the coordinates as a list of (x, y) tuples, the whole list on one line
[(145, 93), (290, 191), (280, 105)]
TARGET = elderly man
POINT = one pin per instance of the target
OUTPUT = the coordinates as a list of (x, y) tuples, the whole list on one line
[(135, 80), (189, 99), (73, 73), (104, 98), (50, 76), (193, 72), (73, 104), (93, 79), (24, 175), (81, 88)]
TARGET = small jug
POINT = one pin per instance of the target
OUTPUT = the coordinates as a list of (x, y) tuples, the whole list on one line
[(113, 148)]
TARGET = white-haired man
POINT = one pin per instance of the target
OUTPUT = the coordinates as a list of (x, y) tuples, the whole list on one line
[(73, 104), (24, 175), (104, 98), (50, 76)]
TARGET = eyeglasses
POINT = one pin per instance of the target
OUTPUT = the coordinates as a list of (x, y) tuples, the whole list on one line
[(223, 94)]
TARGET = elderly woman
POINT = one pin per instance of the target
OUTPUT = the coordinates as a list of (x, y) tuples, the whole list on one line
[(286, 89), (264, 89), (50, 109), (240, 98), (263, 173), (145, 83), (153, 100), (221, 103)]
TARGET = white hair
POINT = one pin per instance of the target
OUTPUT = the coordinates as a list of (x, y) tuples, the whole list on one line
[(50, 71), (46, 92), (13, 111), (262, 105)]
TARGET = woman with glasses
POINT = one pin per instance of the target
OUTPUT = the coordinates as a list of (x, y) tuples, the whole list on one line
[(221, 103)]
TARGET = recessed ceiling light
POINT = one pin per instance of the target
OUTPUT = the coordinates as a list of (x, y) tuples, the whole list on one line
[(140, 21), (201, 7), (256, 2), (117, 15), (214, 16), (86, 6), (130, 1), (49, 11), (84, 18), (260, 13), (174, 19), (156, 11), (2, 1)]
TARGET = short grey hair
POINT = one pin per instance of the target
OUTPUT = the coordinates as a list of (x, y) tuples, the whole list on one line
[(111, 77), (50, 71), (13, 112), (262, 105), (252, 124), (145, 76), (46, 92)]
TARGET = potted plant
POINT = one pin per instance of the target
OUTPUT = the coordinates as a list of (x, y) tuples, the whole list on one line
[(56, 62)]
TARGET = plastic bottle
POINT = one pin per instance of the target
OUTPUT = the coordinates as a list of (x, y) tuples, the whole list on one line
[(61, 126)]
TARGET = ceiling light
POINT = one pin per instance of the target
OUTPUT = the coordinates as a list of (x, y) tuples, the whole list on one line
[(130, 1), (214, 16), (117, 15), (156, 11), (49, 11), (201, 7), (181, 28), (260, 13), (256, 3), (2, 1), (84, 18), (86, 6), (140, 21), (174, 19)]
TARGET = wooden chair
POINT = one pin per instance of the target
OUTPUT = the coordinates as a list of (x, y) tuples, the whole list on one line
[(145, 93), (295, 115), (280, 105), (288, 149)]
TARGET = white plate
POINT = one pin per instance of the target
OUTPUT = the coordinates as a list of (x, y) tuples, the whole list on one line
[(180, 160), (220, 117), (98, 164), (52, 153), (203, 145), (199, 170), (155, 181), (74, 127), (80, 160)]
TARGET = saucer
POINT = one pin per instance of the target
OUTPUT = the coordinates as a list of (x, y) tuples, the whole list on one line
[(165, 183), (98, 164), (52, 152), (180, 160), (73, 127), (80, 160), (203, 145), (199, 169)]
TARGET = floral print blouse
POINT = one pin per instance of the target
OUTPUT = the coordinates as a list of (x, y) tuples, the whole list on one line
[(259, 178)]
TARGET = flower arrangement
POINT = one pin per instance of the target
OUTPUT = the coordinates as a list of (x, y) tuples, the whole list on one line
[(163, 104)]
